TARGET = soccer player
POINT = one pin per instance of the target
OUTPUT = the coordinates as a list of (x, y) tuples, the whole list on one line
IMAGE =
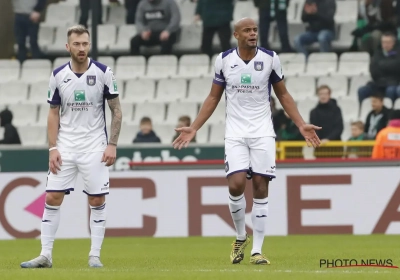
[(246, 73), (78, 142)]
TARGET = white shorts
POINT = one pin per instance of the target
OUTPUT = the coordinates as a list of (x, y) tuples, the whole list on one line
[(251, 155), (95, 174)]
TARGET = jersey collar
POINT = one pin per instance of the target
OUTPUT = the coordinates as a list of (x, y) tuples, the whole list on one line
[(237, 53), (80, 74)]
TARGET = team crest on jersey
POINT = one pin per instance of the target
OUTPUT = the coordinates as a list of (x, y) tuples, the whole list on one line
[(258, 65), (91, 80)]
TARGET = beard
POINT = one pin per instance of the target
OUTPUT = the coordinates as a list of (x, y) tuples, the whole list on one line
[(79, 58)]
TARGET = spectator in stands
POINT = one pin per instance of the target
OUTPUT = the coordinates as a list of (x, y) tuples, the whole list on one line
[(288, 131), (357, 131), (327, 115), (131, 7), (183, 121), (384, 68), (216, 17), (270, 10), (398, 19), (357, 134), (387, 143), (157, 23), (27, 18), (11, 135), (146, 133), (378, 118), (375, 17), (319, 15), (85, 7)]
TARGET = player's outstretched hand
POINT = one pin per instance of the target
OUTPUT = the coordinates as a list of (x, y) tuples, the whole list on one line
[(183, 140), (309, 134), (54, 161), (110, 154)]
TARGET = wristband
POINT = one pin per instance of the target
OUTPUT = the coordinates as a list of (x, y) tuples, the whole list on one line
[(52, 148)]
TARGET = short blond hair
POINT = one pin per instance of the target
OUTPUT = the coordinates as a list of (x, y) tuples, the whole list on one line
[(358, 124), (78, 29), (321, 87), (185, 119)]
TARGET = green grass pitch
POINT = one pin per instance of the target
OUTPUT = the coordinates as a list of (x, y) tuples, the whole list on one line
[(292, 257)]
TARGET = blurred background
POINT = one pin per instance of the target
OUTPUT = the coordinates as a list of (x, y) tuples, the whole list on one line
[(340, 60)]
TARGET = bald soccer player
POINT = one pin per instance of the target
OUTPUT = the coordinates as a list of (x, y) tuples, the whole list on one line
[(246, 74)]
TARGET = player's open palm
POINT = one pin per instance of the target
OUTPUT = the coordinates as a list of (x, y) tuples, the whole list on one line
[(309, 134), (183, 140), (54, 161)]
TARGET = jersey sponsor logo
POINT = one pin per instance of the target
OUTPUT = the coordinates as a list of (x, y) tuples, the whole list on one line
[(258, 65), (67, 80), (112, 75), (114, 81), (79, 95), (245, 79), (234, 66), (80, 103), (245, 88), (91, 80)]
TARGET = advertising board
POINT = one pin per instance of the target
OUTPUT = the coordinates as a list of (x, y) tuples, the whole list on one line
[(179, 203)]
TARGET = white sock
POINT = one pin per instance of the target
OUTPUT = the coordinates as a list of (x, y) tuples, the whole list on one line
[(259, 219), (97, 228), (50, 222), (237, 207)]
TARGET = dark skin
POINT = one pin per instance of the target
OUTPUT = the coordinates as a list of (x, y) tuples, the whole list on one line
[(246, 34)]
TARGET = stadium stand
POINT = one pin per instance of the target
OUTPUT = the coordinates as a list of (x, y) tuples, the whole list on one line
[(130, 67), (9, 70), (166, 87), (163, 87)]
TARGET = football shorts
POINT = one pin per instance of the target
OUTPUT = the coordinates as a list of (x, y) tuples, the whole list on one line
[(95, 174), (251, 155)]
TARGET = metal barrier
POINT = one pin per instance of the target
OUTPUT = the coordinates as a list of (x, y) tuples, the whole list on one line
[(332, 149)]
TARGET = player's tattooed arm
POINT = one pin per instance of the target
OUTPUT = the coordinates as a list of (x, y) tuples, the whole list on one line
[(53, 122), (116, 120)]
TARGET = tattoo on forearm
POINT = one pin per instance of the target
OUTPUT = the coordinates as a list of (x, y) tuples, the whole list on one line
[(116, 120)]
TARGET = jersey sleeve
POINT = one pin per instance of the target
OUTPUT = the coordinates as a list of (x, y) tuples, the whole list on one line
[(219, 78), (276, 74), (110, 85), (53, 94)]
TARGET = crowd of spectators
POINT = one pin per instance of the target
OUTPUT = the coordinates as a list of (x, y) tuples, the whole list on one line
[(158, 22)]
